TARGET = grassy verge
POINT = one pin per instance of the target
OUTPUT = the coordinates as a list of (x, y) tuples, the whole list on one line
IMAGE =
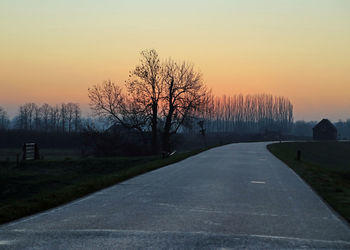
[(325, 166), (39, 185)]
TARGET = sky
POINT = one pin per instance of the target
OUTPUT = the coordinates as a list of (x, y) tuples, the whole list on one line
[(53, 51)]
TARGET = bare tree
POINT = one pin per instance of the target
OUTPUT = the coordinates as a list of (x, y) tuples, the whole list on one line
[(73, 116), (169, 93), (45, 116), (77, 117), (37, 118), (54, 119), (63, 117), (107, 100), (184, 93), (4, 119), (26, 116), (145, 88)]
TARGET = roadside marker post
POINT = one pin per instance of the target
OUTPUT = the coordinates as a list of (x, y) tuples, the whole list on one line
[(30, 151)]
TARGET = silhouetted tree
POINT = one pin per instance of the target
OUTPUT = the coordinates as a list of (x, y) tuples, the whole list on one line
[(77, 117), (63, 117), (184, 93), (25, 118), (145, 88), (37, 117), (55, 118), (168, 93), (73, 116), (4, 119), (107, 100), (45, 116)]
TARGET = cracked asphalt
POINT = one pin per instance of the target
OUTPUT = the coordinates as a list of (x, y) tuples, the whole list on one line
[(234, 196)]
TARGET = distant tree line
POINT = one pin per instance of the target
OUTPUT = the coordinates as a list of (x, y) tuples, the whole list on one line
[(4, 119), (219, 122), (343, 128), (303, 128), (238, 114), (247, 114), (65, 118)]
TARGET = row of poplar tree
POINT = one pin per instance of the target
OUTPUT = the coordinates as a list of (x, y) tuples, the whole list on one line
[(248, 114)]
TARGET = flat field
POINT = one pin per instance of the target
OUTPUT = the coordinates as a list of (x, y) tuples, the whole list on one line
[(325, 166), (10, 154)]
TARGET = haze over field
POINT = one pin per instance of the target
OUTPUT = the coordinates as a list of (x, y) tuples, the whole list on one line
[(53, 51)]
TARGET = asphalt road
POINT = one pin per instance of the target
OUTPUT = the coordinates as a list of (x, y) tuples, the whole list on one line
[(235, 196)]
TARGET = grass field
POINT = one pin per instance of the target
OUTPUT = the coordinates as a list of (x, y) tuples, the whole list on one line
[(325, 166), (10, 154), (62, 177)]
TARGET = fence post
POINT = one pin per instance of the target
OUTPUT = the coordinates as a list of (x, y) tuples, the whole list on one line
[(298, 155), (17, 160)]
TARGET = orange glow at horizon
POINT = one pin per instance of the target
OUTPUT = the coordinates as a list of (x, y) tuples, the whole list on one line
[(54, 51)]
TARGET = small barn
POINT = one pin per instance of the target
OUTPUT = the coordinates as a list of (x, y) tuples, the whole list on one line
[(324, 130)]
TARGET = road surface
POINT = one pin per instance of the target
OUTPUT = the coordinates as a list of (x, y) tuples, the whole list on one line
[(235, 196)]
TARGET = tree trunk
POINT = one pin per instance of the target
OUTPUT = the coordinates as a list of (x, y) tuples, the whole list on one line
[(154, 128), (168, 120)]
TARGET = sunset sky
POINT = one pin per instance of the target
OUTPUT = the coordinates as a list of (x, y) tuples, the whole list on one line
[(53, 51)]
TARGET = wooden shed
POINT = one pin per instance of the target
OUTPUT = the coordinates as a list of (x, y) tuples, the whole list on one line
[(325, 130)]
